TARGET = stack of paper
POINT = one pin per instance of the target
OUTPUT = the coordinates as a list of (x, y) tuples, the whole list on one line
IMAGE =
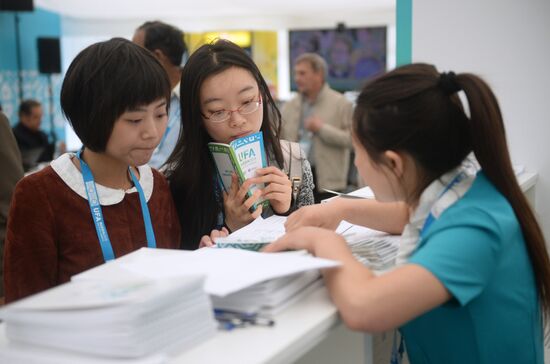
[(365, 192), (236, 279), (376, 249), (270, 297), (255, 235), (15, 353), (133, 319)]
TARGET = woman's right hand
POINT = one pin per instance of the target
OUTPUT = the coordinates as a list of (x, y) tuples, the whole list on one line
[(325, 215), (237, 205)]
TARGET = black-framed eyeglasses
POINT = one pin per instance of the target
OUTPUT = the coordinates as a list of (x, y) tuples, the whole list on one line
[(224, 115)]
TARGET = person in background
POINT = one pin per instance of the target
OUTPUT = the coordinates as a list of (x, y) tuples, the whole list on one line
[(167, 44), (319, 118), (105, 201), (224, 97), (33, 143), (476, 286), (12, 171), (340, 56)]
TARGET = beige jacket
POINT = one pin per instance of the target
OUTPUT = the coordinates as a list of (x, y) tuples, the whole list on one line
[(332, 143)]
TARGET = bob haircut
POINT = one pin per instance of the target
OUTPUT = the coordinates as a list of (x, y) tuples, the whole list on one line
[(192, 172), (105, 80)]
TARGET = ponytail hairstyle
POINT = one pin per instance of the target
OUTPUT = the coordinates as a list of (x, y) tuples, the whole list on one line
[(416, 110), (191, 171)]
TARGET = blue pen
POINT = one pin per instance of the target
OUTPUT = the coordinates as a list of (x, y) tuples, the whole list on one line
[(233, 314), (231, 319)]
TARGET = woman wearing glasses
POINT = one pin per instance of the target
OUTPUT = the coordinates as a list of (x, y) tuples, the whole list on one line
[(224, 97)]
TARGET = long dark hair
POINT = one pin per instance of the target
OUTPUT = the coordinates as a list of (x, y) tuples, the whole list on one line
[(415, 109), (191, 168)]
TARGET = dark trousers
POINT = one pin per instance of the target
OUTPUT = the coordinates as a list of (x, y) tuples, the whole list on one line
[(318, 196)]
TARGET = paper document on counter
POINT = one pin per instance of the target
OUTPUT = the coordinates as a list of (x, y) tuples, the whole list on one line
[(113, 319), (226, 270), (255, 235)]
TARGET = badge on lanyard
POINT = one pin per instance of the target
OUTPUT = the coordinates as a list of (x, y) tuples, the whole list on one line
[(97, 213)]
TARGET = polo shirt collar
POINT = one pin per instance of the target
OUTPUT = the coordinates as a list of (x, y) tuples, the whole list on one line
[(176, 90)]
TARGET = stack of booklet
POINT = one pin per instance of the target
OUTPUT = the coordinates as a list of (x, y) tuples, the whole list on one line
[(108, 321), (236, 279), (376, 249), (270, 297), (255, 235)]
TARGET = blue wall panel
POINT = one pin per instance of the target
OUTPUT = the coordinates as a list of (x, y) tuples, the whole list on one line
[(32, 25)]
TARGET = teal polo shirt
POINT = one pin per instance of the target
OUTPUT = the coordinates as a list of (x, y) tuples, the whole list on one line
[(476, 249)]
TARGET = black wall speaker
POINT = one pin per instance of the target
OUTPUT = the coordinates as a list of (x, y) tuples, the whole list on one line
[(16, 5), (49, 57)]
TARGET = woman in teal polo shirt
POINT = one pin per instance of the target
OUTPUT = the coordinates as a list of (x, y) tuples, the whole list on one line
[(475, 284)]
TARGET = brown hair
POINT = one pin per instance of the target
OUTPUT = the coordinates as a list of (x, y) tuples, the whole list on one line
[(416, 110), (26, 106), (317, 63)]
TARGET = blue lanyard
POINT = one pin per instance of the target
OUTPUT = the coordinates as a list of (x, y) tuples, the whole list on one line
[(97, 214), (430, 219), (397, 353), (161, 144), (173, 118)]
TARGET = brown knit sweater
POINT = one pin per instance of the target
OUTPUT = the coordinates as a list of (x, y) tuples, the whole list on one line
[(51, 235)]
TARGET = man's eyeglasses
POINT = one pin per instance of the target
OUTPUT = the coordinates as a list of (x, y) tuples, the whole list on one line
[(224, 115)]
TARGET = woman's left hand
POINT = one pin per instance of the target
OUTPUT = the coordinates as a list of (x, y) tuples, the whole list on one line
[(209, 240), (278, 189)]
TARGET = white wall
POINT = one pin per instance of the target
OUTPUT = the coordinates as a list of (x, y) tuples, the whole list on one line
[(507, 42), (108, 27), (80, 32)]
